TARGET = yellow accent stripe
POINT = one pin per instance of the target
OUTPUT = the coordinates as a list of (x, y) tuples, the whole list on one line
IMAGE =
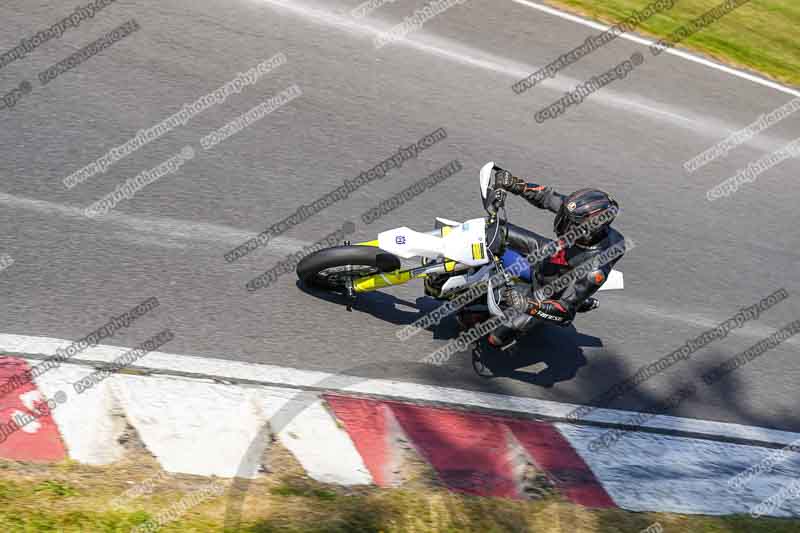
[(368, 243), (477, 250), (379, 281), (449, 266)]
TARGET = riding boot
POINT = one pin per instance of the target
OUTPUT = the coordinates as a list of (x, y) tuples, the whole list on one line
[(589, 304), (503, 337), (468, 319)]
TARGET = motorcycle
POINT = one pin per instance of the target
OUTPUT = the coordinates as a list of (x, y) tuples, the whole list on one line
[(456, 257)]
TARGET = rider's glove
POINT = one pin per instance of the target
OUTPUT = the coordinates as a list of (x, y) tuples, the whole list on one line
[(504, 180), (516, 300), (551, 311)]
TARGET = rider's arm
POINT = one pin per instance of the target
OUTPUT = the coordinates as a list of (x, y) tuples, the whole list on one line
[(541, 196), (584, 287), (562, 311)]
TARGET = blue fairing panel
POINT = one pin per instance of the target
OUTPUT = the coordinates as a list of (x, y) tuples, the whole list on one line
[(510, 257)]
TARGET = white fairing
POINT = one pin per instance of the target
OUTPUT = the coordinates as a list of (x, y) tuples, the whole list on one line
[(406, 243), (456, 246), (448, 222), (486, 176), (463, 280)]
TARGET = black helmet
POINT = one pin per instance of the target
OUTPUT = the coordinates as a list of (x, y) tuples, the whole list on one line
[(588, 212)]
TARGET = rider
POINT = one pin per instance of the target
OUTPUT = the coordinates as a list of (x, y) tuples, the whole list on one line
[(582, 227)]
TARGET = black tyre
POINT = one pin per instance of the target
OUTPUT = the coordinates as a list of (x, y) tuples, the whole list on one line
[(332, 268)]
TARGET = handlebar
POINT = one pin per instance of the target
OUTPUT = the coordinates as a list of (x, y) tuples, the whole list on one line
[(496, 199), (499, 199)]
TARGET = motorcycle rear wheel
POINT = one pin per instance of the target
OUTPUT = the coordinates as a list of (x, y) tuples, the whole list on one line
[(333, 269)]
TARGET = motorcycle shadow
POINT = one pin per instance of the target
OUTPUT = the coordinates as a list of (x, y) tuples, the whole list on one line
[(558, 350), (380, 305)]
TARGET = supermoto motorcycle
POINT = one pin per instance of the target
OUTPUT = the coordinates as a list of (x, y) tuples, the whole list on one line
[(456, 257)]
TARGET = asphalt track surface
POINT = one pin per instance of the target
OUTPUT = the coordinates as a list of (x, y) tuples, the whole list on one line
[(695, 264)]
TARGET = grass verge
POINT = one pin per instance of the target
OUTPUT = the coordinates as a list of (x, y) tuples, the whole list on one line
[(761, 35), (69, 498)]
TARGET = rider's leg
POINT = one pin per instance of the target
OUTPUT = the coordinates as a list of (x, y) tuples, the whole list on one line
[(516, 237), (506, 334), (524, 240), (474, 313), (527, 243), (469, 318)]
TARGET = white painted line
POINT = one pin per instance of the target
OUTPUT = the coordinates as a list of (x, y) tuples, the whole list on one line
[(679, 53), (194, 426), (460, 53), (191, 426), (630, 305), (646, 472), (547, 408), (179, 231), (323, 448), (290, 377), (86, 422)]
